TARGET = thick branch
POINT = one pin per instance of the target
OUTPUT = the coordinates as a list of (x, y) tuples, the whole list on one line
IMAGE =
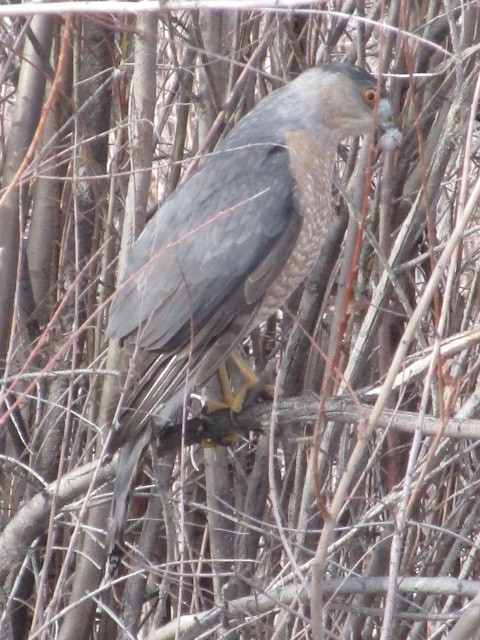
[(32, 518), (293, 411), (193, 625)]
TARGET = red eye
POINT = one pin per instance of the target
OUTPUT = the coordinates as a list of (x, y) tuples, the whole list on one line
[(370, 96)]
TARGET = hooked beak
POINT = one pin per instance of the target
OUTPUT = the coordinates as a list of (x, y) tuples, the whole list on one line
[(385, 116), (392, 136)]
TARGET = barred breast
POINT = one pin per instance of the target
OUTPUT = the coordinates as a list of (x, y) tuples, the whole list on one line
[(312, 170)]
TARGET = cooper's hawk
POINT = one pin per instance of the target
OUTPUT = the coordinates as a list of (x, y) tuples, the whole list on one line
[(230, 245)]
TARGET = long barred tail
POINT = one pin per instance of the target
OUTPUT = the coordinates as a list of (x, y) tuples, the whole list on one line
[(153, 399), (155, 389)]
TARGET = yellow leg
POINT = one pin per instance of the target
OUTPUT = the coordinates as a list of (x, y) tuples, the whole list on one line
[(225, 390), (248, 374), (241, 377), (251, 379), (245, 382), (231, 400)]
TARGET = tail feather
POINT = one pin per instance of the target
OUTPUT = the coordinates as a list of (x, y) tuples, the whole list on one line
[(128, 460), (154, 391), (155, 404)]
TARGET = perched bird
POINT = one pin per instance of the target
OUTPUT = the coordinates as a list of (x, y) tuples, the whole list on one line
[(231, 244)]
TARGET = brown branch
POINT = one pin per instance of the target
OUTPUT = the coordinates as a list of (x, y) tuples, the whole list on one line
[(293, 411)]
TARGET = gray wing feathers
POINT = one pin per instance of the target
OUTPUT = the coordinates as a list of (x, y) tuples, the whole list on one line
[(203, 243)]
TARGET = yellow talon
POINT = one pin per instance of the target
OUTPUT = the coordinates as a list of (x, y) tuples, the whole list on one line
[(231, 400)]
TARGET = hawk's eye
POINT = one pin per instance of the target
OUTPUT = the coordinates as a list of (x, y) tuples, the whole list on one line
[(370, 96)]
